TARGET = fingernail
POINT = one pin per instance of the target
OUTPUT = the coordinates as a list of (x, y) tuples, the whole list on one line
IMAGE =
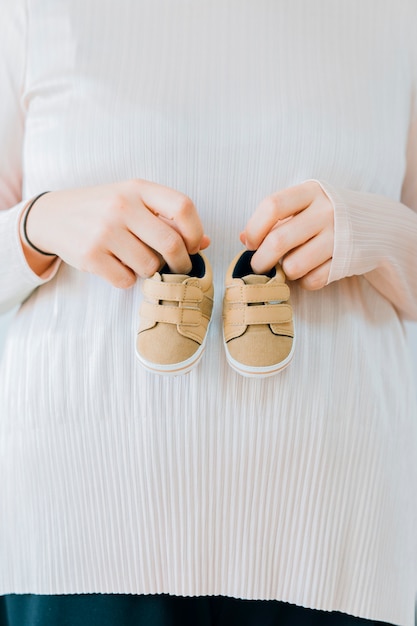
[(189, 267), (254, 263)]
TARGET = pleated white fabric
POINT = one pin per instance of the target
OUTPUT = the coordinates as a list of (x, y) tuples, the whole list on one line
[(301, 487)]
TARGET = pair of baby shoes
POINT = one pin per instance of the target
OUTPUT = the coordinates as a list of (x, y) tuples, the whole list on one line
[(258, 328)]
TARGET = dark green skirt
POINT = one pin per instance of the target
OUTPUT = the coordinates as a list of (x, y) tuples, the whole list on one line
[(160, 610)]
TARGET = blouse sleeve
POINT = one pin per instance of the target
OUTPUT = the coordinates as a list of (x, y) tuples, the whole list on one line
[(17, 280), (376, 236)]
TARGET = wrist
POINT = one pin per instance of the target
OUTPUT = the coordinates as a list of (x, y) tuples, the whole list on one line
[(24, 225), (39, 260)]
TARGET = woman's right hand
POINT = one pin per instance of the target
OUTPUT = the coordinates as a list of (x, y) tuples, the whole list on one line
[(116, 231)]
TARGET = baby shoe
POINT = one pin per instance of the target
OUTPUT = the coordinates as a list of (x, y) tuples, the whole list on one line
[(174, 318), (258, 328)]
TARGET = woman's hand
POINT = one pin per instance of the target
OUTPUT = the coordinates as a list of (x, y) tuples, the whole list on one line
[(117, 231), (297, 225)]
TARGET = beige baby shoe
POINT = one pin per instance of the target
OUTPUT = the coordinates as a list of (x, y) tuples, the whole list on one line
[(174, 318), (258, 326)]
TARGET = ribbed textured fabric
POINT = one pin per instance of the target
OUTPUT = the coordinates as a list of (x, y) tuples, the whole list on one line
[(301, 487)]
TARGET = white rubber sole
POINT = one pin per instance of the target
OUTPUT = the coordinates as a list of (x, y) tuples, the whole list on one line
[(174, 369), (259, 372)]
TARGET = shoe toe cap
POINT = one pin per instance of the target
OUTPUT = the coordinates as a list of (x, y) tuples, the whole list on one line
[(164, 345), (259, 347)]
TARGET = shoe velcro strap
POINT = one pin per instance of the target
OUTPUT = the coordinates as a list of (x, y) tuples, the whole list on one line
[(175, 292), (171, 314), (264, 314), (257, 293)]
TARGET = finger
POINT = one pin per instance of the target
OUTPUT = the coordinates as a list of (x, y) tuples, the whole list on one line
[(205, 242), (308, 257), (317, 278), (286, 236), (135, 254), (162, 238), (279, 206), (177, 207), (112, 270)]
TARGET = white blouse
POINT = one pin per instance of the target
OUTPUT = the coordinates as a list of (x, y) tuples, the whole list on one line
[(301, 487)]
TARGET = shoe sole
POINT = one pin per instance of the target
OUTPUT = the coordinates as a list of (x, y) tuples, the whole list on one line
[(175, 369), (259, 372)]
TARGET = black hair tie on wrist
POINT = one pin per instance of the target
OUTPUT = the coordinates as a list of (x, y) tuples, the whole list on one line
[(25, 219)]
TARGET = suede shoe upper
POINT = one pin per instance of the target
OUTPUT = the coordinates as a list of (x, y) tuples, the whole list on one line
[(174, 318), (258, 323)]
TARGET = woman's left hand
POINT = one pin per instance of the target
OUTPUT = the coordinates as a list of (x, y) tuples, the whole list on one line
[(296, 225)]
